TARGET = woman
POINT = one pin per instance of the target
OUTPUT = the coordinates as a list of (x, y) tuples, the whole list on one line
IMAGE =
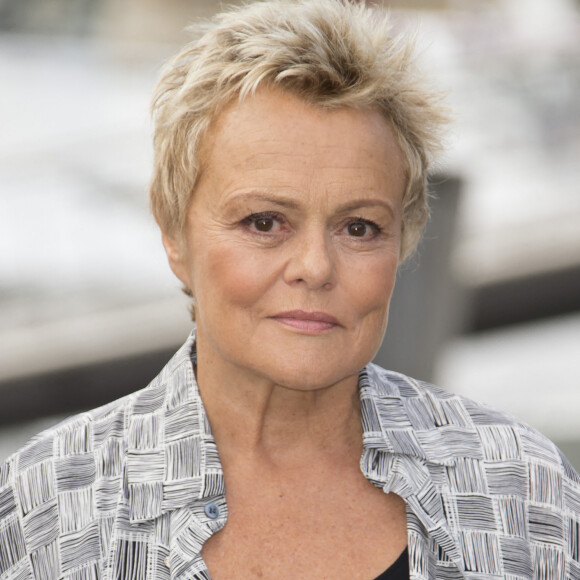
[(292, 146)]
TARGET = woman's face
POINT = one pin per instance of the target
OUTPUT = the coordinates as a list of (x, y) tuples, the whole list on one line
[(292, 241)]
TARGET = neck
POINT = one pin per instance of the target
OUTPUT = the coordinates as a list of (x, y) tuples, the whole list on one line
[(252, 416)]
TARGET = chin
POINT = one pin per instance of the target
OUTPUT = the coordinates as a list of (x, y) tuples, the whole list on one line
[(311, 376)]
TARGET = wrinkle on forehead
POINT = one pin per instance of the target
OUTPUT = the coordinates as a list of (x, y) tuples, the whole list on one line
[(234, 125)]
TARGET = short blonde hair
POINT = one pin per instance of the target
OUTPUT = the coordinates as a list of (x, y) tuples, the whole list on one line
[(331, 53)]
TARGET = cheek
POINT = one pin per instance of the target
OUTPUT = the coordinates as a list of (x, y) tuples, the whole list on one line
[(372, 285), (231, 276), (371, 299)]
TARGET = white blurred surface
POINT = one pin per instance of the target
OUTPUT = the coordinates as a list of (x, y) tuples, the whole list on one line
[(77, 242), (75, 155), (531, 371), (74, 162)]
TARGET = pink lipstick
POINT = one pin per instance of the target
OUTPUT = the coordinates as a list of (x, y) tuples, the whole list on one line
[(307, 322)]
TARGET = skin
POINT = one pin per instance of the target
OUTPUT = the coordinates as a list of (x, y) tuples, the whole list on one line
[(298, 209)]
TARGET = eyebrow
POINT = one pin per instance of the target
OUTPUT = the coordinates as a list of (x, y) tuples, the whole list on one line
[(283, 201), (289, 202), (372, 202)]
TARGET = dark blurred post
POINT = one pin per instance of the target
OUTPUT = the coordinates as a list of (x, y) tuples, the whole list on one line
[(427, 306)]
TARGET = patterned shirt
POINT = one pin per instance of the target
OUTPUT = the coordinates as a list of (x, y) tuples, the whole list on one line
[(132, 490)]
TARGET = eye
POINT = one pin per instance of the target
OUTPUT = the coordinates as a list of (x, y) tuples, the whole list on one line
[(361, 228), (357, 229), (264, 223)]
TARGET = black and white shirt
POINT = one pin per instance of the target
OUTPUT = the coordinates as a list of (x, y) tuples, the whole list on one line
[(132, 490)]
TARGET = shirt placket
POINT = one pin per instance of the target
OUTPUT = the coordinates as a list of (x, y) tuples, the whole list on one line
[(190, 528), (428, 534)]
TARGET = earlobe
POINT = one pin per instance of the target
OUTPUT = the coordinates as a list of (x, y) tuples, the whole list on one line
[(175, 256)]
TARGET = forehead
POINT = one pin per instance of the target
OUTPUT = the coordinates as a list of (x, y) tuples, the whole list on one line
[(274, 137)]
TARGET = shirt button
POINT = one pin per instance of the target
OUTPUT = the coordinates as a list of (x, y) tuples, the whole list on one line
[(166, 561), (212, 511)]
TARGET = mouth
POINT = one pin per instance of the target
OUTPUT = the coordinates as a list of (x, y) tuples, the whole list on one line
[(307, 322)]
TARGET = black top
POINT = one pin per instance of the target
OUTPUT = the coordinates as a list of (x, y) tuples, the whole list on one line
[(399, 570)]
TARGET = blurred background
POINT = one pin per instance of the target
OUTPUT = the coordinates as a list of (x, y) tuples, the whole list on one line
[(89, 311)]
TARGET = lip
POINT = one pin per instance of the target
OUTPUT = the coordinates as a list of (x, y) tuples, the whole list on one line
[(307, 322)]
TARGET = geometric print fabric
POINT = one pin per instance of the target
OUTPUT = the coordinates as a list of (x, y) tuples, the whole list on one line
[(132, 490)]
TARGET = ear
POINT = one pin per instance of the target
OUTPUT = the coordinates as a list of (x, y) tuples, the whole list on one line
[(176, 256)]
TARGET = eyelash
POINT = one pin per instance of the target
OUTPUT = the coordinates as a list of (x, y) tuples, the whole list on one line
[(272, 215), (369, 223), (268, 215)]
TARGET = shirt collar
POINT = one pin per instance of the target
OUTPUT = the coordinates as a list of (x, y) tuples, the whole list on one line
[(408, 439), (173, 463), (406, 418), (173, 460)]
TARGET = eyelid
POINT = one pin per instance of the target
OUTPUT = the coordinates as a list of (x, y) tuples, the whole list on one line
[(248, 221), (251, 219), (263, 214), (374, 232), (274, 215), (374, 225), (366, 221)]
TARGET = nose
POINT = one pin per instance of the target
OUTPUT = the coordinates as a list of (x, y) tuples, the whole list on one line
[(312, 260)]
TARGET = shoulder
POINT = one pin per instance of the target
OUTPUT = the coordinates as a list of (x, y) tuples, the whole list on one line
[(68, 480), (58, 475), (79, 440), (455, 430), (89, 433), (498, 485), (56, 486)]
